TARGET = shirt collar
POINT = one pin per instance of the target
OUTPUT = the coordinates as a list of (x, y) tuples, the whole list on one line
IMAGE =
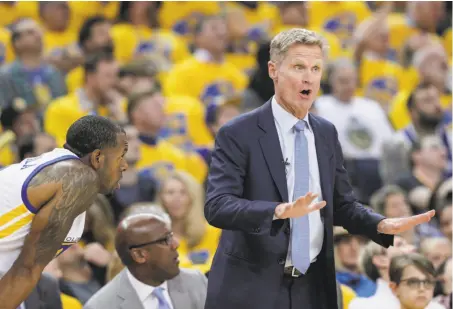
[(143, 290), (285, 120)]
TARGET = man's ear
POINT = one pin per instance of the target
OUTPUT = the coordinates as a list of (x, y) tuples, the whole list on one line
[(272, 70), (97, 159)]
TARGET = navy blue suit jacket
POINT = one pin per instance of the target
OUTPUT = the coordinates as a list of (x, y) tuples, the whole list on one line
[(246, 182)]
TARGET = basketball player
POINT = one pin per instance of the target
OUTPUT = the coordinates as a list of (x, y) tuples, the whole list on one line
[(43, 201)]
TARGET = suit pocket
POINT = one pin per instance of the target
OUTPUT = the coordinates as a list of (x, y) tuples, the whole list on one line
[(237, 256)]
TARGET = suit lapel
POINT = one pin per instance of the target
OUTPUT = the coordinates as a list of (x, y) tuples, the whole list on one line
[(270, 146), (127, 294), (323, 155), (179, 297)]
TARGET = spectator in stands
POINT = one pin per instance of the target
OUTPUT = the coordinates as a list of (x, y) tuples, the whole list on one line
[(445, 218), (35, 145), (412, 281), (77, 276), (362, 127), (29, 76), (375, 262), (137, 75), (436, 249), (60, 41), (133, 188), (152, 277), (347, 249), (445, 298), (46, 294), (183, 199), (17, 120), (136, 34), (94, 37), (207, 75), (391, 202), (97, 96), (429, 161), (157, 156)]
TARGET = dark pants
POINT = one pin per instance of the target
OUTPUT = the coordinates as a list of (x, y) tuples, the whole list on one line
[(305, 292)]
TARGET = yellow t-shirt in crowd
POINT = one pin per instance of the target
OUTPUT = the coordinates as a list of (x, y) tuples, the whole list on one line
[(186, 126), (348, 295), (82, 10), (69, 302), (63, 112), (75, 79), (399, 114), (58, 42), (381, 80), (159, 158), (6, 51), (7, 156), (204, 80), (181, 17), (8, 11), (340, 18), (448, 44), (200, 257), (132, 41)]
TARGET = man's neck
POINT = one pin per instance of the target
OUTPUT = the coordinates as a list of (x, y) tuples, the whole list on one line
[(92, 96), (144, 277), (429, 177), (423, 131), (177, 227), (31, 61)]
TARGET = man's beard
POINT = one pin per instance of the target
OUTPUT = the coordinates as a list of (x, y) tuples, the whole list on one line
[(429, 122)]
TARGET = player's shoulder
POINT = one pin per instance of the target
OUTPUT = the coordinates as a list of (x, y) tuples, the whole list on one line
[(73, 171)]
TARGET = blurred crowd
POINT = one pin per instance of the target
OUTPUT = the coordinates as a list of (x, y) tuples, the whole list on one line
[(172, 73)]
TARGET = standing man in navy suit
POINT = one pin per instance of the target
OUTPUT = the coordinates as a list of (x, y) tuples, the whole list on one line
[(277, 186)]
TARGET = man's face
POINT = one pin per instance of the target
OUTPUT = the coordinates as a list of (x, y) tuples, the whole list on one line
[(150, 113), (105, 77), (445, 218), (297, 77), (133, 152), (56, 15), (396, 206), (411, 292), (26, 124), (112, 165), (44, 143), (214, 36), (439, 253), (348, 249), (432, 153), (428, 110), (344, 83), (30, 37), (100, 37)]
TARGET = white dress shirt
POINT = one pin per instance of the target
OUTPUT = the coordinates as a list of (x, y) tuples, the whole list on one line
[(144, 292), (383, 298), (284, 123)]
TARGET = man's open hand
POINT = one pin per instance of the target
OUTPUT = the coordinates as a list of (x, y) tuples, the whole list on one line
[(395, 226), (302, 206)]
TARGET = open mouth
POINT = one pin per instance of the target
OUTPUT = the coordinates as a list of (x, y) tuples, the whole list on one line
[(306, 92)]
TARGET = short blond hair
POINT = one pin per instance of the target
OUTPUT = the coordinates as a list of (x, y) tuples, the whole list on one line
[(285, 39)]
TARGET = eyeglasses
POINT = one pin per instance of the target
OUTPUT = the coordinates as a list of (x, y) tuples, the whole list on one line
[(167, 240), (415, 283)]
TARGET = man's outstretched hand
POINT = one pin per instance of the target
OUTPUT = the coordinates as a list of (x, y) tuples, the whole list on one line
[(395, 226), (302, 206)]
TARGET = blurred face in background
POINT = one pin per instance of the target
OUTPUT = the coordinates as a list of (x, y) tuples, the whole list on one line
[(100, 38), (104, 79), (344, 82), (30, 37), (348, 250), (396, 206), (447, 277), (427, 111), (294, 13), (297, 77), (55, 15), (434, 66), (175, 199), (445, 218), (427, 14), (381, 40), (225, 114), (437, 250), (411, 293), (149, 116), (213, 36), (432, 153), (133, 151), (44, 143), (400, 247), (26, 124)]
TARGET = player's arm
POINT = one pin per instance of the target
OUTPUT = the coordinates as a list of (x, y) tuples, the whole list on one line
[(66, 189)]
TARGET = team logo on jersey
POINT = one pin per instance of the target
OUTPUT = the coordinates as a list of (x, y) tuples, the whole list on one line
[(152, 46), (186, 25), (176, 131), (382, 89), (157, 171), (216, 89)]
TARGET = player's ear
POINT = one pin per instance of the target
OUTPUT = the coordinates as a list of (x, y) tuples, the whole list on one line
[(97, 159)]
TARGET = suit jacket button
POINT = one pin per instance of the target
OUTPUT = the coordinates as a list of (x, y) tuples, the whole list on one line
[(257, 230), (281, 261)]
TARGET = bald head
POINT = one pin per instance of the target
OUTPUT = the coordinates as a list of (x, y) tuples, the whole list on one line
[(139, 229)]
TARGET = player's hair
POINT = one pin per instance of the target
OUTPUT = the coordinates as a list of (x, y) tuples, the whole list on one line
[(400, 262), (87, 28), (285, 39), (90, 133)]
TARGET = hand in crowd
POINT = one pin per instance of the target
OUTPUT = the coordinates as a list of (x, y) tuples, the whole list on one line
[(95, 253)]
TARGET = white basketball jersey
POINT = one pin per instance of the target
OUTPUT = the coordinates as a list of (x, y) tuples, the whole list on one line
[(16, 212)]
